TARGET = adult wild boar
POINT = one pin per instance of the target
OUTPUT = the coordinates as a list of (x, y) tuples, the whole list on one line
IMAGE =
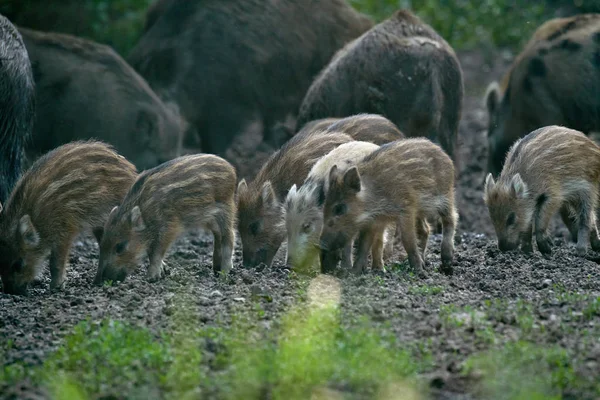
[(17, 104), (228, 62), (86, 90), (401, 69), (555, 80)]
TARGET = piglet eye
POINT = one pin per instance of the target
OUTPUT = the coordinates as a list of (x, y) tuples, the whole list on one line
[(254, 228), (120, 247), (511, 219), (339, 209)]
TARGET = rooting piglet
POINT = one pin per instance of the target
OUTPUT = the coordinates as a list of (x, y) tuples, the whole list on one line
[(188, 192), (405, 182), (260, 216), (552, 169), (304, 206), (69, 189)]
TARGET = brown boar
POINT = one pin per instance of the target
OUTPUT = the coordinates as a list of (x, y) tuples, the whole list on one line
[(260, 216), (66, 191), (304, 206), (405, 182), (549, 170), (555, 80), (188, 192), (226, 63), (86, 90), (400, 69)]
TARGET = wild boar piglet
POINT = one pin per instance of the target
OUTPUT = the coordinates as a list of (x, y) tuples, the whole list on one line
[(552, 169), (304, 206), (405, 182), (66, 191), (260, 203), (185, 193)]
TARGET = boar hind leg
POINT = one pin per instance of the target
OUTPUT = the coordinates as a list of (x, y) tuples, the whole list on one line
[(58, 265), (546, 208), (569, 218), (422, 235), (408, 231), (366, 237)]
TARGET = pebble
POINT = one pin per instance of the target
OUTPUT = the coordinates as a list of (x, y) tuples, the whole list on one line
[(546, 283), (216, 293)]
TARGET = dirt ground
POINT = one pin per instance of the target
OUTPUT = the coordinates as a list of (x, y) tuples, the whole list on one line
[(36, 324)]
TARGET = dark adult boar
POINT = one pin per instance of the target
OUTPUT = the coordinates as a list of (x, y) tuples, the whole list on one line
[(401, 69), (228, 62), (86, 90), (17, 104), (554, 81)]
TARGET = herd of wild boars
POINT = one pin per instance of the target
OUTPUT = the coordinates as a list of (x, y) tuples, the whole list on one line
[(367, 114)]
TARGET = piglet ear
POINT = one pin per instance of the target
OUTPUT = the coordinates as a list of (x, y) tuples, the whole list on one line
[(333, 173), (488, 186), (242, 187), (352, 179), (518, 188), (28, 233), (268, 195), (137, 222)]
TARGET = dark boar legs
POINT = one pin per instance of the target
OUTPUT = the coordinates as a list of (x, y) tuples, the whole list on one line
[(409, 241), (58, 264)]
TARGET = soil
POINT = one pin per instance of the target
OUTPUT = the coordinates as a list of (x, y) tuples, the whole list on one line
[(37, 323)]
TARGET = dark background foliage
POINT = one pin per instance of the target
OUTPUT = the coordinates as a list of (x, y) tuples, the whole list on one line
[(464, 23)]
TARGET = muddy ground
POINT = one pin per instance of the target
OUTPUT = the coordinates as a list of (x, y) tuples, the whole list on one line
[(545, 288)]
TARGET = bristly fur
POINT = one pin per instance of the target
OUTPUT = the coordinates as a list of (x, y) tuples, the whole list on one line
[(260, 201), (408, 182), (188, 192), (66, 191), (304, 206), (549, 170)]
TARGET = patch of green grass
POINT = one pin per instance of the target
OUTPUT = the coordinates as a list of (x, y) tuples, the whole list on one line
[(309, 351), (522, 370), (425, 290)]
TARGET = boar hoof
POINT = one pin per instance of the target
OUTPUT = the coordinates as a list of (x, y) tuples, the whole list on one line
[(527, 248), (447, 269), (545, 246), (57, 286), (155, 276), (357, 269), (581, 250)]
